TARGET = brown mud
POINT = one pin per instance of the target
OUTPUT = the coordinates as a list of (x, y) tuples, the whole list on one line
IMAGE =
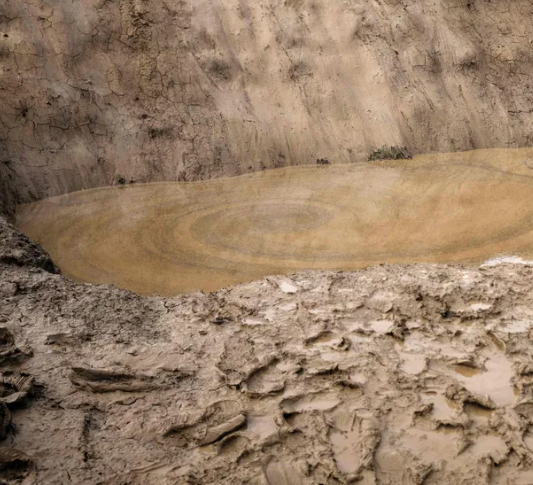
[(169, 238), (410, 374), (413, 374)]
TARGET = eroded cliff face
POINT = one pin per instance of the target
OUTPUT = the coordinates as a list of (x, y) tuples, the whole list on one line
[(94, 92)]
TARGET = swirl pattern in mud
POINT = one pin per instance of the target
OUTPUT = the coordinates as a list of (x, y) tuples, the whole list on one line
[(174, 237)]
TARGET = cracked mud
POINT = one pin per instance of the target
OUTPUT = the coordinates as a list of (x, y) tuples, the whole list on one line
[(97, 91)]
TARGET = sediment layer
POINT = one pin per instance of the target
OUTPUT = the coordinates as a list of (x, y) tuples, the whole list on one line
[(166, 239), (96, 92)]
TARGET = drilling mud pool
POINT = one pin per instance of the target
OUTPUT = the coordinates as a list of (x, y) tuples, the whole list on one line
[(170, 238)]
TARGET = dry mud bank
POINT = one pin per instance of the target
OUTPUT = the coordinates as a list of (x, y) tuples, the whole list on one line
[(96, 91), (395, 374)]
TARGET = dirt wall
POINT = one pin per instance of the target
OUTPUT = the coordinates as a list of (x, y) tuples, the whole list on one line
[(100, 91)]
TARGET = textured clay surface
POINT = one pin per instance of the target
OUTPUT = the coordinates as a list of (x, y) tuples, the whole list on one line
[(414, 374), (410, 374)]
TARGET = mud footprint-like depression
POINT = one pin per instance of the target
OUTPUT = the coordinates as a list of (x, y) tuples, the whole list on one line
[(174, 237)]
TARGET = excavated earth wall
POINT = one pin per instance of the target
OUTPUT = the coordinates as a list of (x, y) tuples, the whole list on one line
[(99, 91)]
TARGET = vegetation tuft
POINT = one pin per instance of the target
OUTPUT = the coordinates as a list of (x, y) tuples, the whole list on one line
[(390, 153), (160, 132)]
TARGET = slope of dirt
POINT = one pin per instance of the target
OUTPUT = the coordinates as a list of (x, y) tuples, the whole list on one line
[(95, 91), (396, 374), (414, 374)]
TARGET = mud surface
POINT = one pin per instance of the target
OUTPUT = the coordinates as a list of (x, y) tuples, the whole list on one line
[(169, 238), (395, 374), (411, 374)]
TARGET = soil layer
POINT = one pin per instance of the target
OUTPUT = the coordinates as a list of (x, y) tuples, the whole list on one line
[(94, 92)]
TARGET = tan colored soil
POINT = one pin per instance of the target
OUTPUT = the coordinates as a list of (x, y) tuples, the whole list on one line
[(169, 238), (409, 374)]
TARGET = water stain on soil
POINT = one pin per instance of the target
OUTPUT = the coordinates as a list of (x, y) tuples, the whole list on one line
[(467, 371), (175, 237)]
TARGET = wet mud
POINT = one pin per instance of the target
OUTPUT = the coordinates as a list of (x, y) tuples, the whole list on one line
[(164, 239), (417, 374)]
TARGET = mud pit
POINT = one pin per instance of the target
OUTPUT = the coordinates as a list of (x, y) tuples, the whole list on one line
[(176, 237)]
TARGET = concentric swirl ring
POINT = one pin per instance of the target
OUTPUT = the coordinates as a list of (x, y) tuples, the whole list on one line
[(174, 237), (260, 224)]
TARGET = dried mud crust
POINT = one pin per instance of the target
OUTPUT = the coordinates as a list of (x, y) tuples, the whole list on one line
[(396, 374), (96, 93)]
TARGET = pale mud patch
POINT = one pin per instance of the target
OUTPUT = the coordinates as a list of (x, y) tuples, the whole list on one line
[(442, 410), (413, 363), (309, 403), (506, 260), (262, 426), (278, 472), (493, 381), (176, 237)]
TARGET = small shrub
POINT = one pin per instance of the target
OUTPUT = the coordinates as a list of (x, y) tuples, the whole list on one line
[(299, 70), (220, 69), (390, 153)]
